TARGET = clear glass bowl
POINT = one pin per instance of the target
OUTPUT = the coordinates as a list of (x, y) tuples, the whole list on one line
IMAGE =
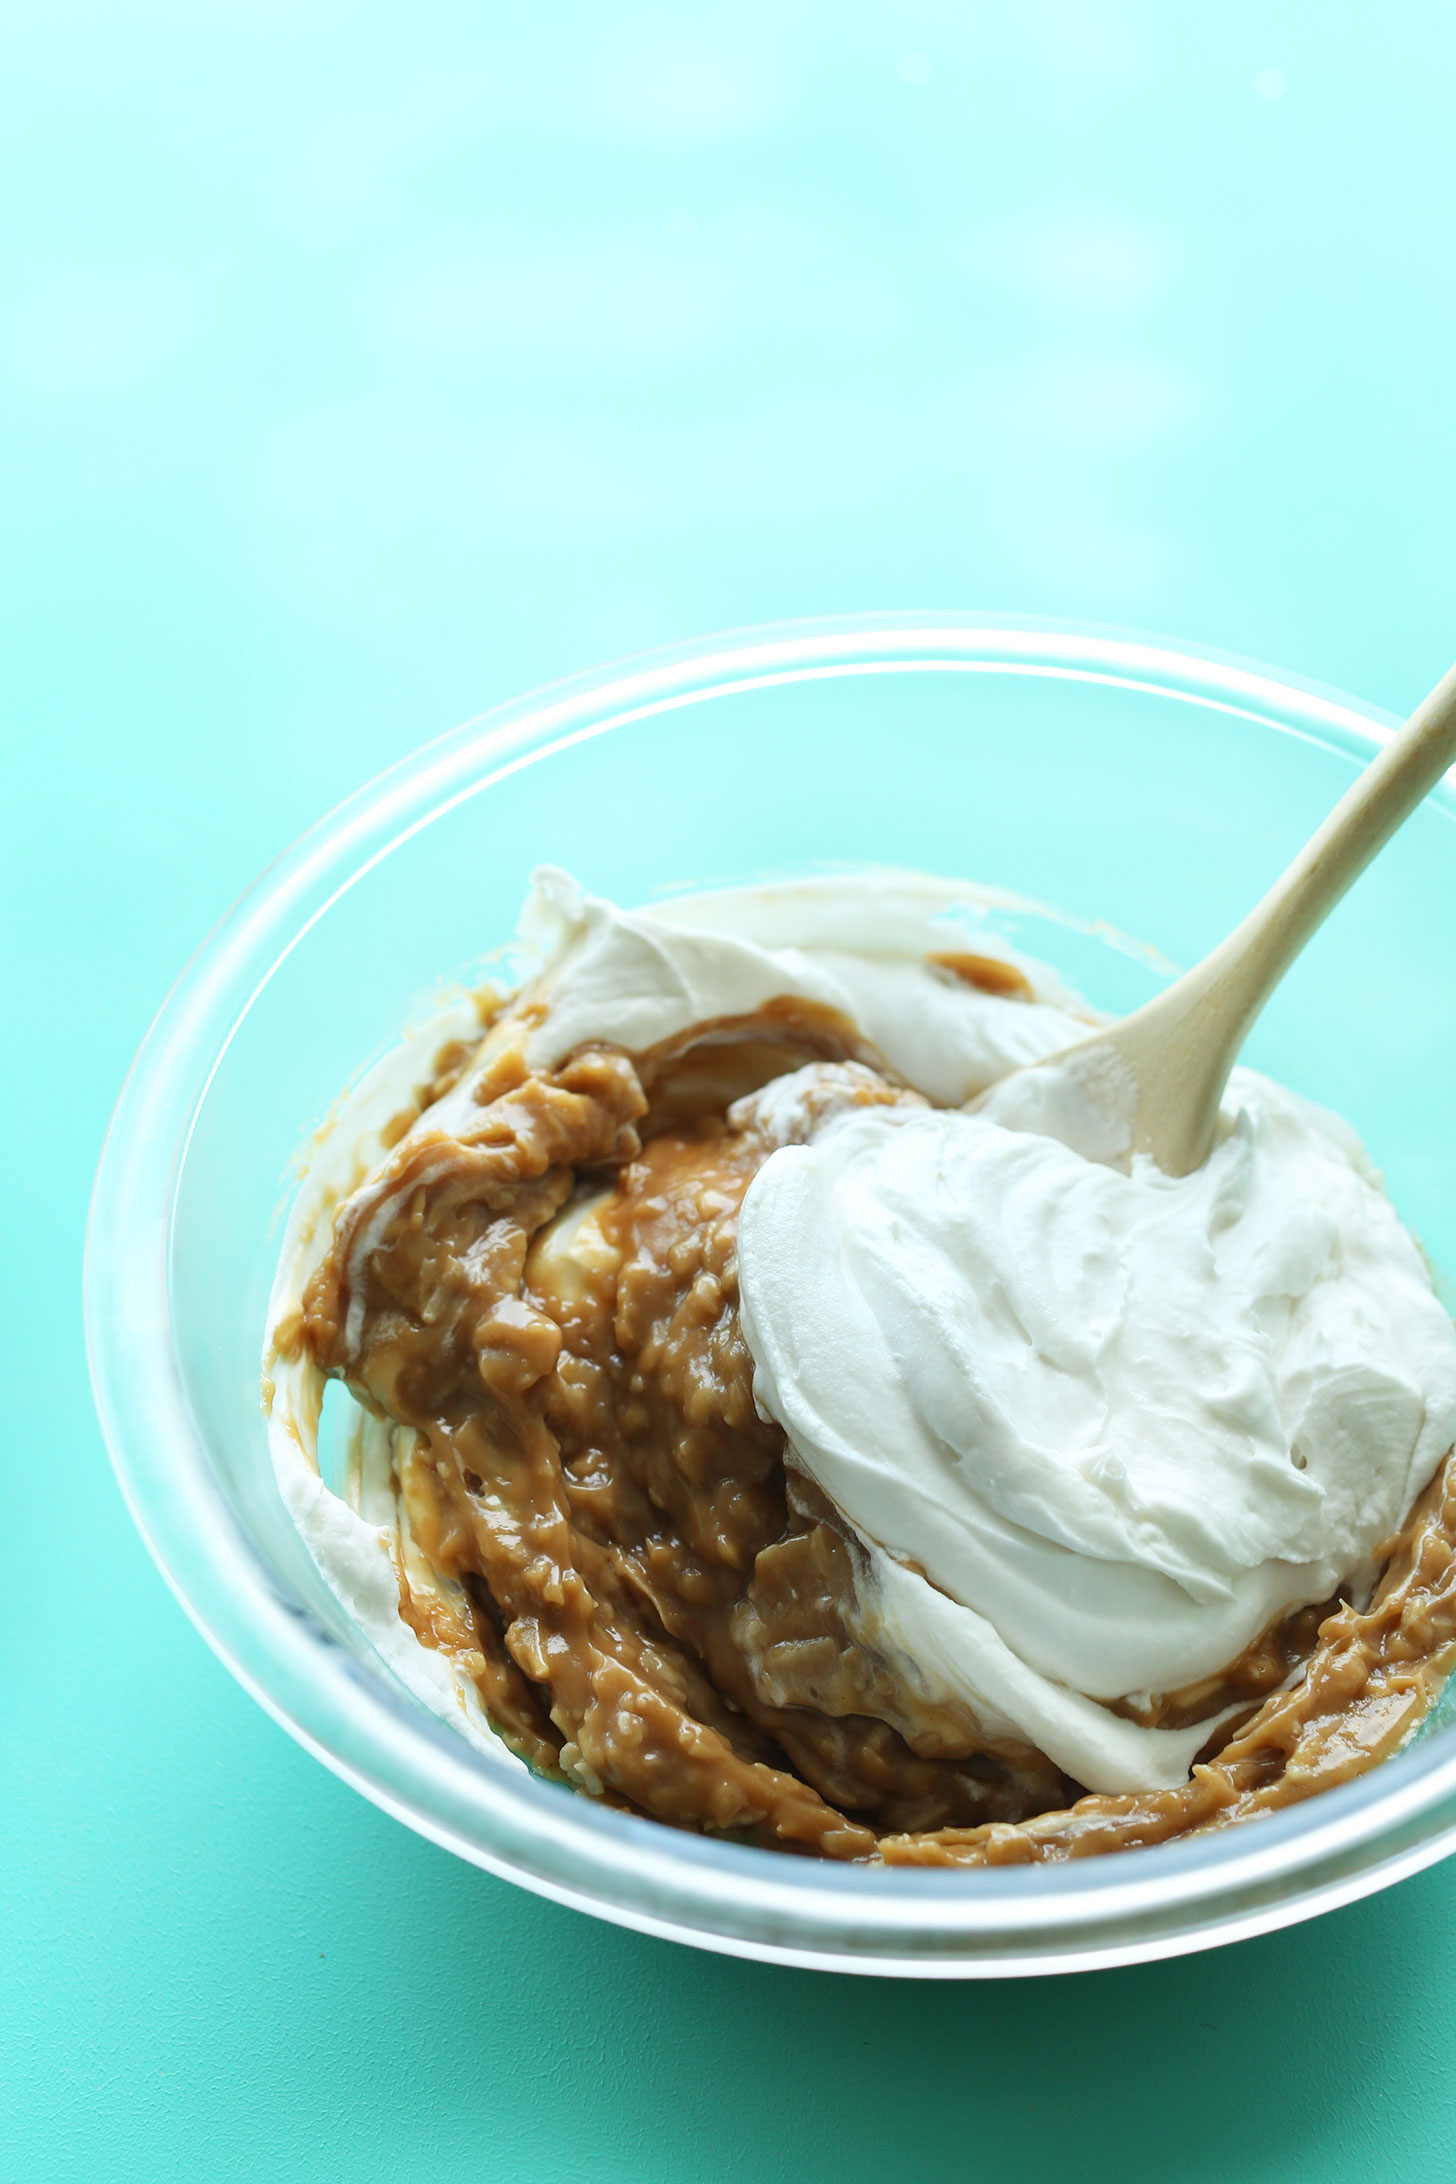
[(1136, 788)]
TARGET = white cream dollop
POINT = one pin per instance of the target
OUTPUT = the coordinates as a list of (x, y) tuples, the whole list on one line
[(862, 945), (1095, 1428)]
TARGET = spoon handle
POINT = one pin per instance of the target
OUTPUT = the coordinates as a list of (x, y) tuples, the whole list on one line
[(1360, 825), (1182, 1045)]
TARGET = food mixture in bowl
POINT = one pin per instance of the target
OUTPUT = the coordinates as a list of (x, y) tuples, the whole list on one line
[(774, 1416)]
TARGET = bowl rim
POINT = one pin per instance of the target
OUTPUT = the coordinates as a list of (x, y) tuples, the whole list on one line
[(1124, 1907)]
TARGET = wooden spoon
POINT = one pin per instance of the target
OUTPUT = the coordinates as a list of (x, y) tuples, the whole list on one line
[(1179, 1048)]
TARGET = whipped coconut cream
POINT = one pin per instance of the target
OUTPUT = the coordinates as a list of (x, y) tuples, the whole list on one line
[(859, 945), (1098, 1429), (1093, 1428)]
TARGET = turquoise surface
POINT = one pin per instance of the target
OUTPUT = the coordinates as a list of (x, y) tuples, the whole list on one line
[(362, 366)]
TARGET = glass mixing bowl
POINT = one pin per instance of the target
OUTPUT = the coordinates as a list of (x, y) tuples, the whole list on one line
[(1135, 788)]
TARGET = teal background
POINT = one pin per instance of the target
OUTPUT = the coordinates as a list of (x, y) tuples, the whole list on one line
[(361, 366)]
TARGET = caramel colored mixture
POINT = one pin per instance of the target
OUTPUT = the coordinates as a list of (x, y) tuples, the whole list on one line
[(650, 1603)]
